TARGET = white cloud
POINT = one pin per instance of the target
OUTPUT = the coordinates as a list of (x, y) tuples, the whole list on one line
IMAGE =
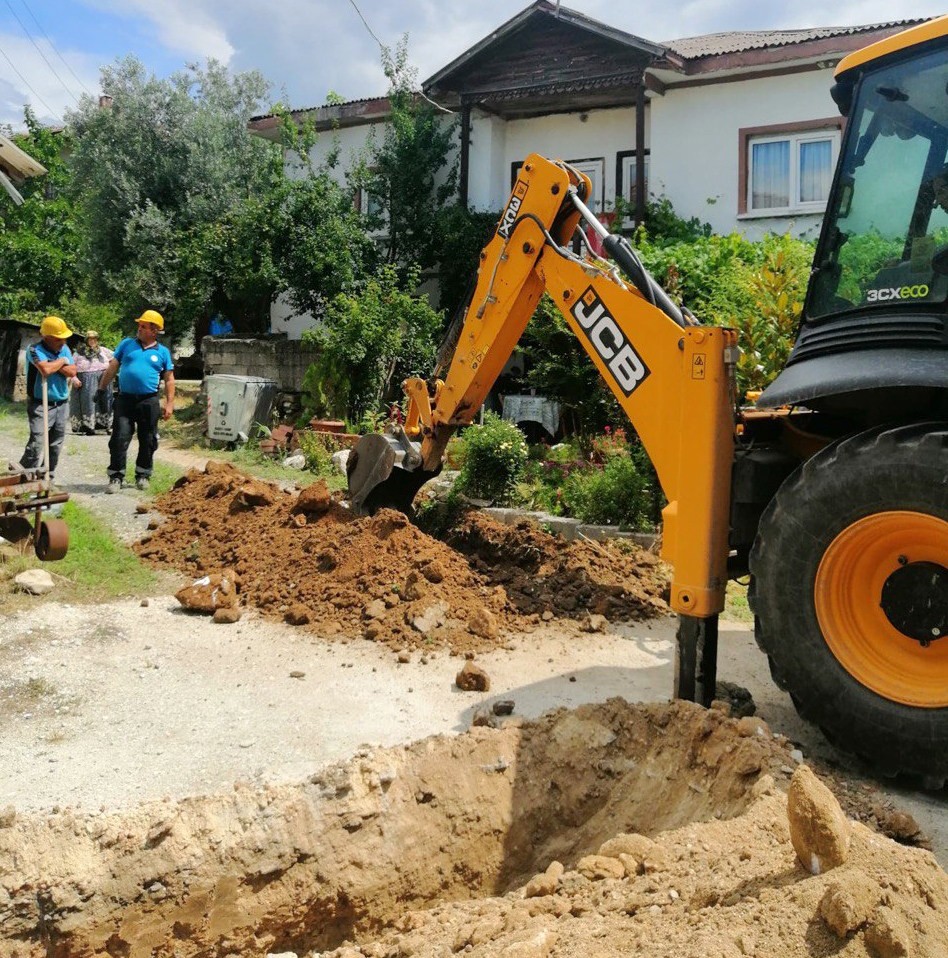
[(309, 47), (51, 97)]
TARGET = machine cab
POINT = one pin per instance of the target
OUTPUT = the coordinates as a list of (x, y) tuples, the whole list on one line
[(875, 316)]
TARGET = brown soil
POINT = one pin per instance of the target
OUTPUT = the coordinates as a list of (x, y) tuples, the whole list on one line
[(385, 578), (425, 851)]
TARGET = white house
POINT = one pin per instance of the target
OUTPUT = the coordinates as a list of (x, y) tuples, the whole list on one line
[(737, 129)]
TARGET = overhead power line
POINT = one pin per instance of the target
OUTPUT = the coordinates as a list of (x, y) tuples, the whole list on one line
[(365, 23), (26, 83), (39, 27), (39, 50)]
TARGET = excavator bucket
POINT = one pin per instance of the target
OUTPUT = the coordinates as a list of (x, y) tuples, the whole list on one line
[(384, 472)]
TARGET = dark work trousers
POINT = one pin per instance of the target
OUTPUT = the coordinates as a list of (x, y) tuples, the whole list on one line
[(134, 413)]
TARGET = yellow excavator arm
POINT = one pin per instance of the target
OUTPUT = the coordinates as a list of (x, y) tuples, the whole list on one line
[(673, 378)]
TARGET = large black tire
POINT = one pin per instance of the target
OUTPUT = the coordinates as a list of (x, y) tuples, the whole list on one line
[(883, 470)]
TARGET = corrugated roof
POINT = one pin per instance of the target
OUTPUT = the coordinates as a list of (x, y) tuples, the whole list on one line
[(322, 106), (714, 44)]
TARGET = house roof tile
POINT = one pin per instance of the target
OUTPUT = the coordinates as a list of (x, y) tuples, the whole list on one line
[(714, 44)]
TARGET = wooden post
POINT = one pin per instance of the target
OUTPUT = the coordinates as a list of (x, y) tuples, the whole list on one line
[(640, 154), (465, 151)]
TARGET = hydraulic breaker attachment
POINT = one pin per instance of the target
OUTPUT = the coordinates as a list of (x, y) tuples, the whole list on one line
[(385, 472)]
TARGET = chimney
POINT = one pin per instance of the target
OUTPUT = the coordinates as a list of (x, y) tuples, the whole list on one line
[(105, 101)]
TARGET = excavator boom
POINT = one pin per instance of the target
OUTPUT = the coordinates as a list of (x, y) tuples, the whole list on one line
[(673, 378)]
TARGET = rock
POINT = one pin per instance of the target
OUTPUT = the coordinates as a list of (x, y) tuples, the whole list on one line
[(141, 508), (297, 674), (547, 615), (153, 524), (483, 623), (887, 935), (848, 901), (210, 593), (314, 500), (535, 944), (504, 707), (7, 816), (752, 727), (482, 718), (252, 495), (797, 756), (297, 614), (404, 657), (296, 461), (898, 825), (144, 603), (34, 581), (545, 883), (340, 460), (228, 616), (596, 867), (429, 618), (637, 847), (432, 570), (819, 830), (415, 586), (741, 701), (595, 622), (374, 610), (472, 678), (720, 705)]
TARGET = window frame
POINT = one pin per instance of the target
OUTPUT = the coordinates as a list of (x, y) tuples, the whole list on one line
[(796, 133)]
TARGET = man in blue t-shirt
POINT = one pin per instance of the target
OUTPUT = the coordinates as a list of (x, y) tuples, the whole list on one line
[(49, 359), (141, 364)]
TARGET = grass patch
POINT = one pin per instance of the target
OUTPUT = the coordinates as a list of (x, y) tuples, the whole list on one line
[(163, 477), (13, 421), (97, 567), (736, 607)]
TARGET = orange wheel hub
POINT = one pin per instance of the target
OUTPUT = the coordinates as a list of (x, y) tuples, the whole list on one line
[(889, 567)]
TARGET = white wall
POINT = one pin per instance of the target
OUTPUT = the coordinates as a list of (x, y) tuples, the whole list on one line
[(694, 134), (566, 136)]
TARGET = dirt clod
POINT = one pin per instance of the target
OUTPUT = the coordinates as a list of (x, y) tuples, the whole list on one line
[(849, 899), (888, 935), (819, 830), (314, 499), (297, 614), (209, 593), (472, 678), (228, 616)]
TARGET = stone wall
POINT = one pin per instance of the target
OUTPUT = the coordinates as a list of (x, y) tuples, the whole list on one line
[(282, 360)]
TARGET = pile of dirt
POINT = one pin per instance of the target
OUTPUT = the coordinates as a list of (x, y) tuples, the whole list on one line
[(543, 572), (672, 839), (307, 559)]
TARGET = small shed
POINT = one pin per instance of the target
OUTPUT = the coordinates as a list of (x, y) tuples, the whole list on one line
[(15, 336)]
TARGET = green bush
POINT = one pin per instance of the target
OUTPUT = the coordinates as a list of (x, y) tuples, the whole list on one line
[(617, 494), (370, 341), (316, 451), (494, 458)]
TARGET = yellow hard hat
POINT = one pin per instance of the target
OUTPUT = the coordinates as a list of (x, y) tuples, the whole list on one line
[(152, 316), (55, 327)]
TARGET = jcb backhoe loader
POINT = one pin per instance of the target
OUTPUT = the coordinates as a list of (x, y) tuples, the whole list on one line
[(831, 493)]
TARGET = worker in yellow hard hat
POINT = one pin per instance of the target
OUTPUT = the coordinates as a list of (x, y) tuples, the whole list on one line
[(52, 360), (142, 364)]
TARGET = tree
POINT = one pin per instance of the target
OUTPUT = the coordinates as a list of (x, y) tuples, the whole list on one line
[(170, 185), (39, 241), (409, 171)]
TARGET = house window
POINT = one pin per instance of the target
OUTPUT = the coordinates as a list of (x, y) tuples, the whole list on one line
[(628, 179), (789, 170), (594, 170)]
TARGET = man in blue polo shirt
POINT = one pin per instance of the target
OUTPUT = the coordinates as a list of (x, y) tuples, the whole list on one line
[(49, 358), (141, 364)]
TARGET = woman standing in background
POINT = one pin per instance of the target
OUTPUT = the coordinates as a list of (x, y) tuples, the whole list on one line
[(90, 409)]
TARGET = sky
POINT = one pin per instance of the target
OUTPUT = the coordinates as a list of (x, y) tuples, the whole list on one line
[(51, 50)]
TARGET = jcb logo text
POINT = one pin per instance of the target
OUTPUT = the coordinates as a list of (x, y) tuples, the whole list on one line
[(610, 343)]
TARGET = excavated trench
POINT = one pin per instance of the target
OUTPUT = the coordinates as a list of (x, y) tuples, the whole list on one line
[(306, 867)]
